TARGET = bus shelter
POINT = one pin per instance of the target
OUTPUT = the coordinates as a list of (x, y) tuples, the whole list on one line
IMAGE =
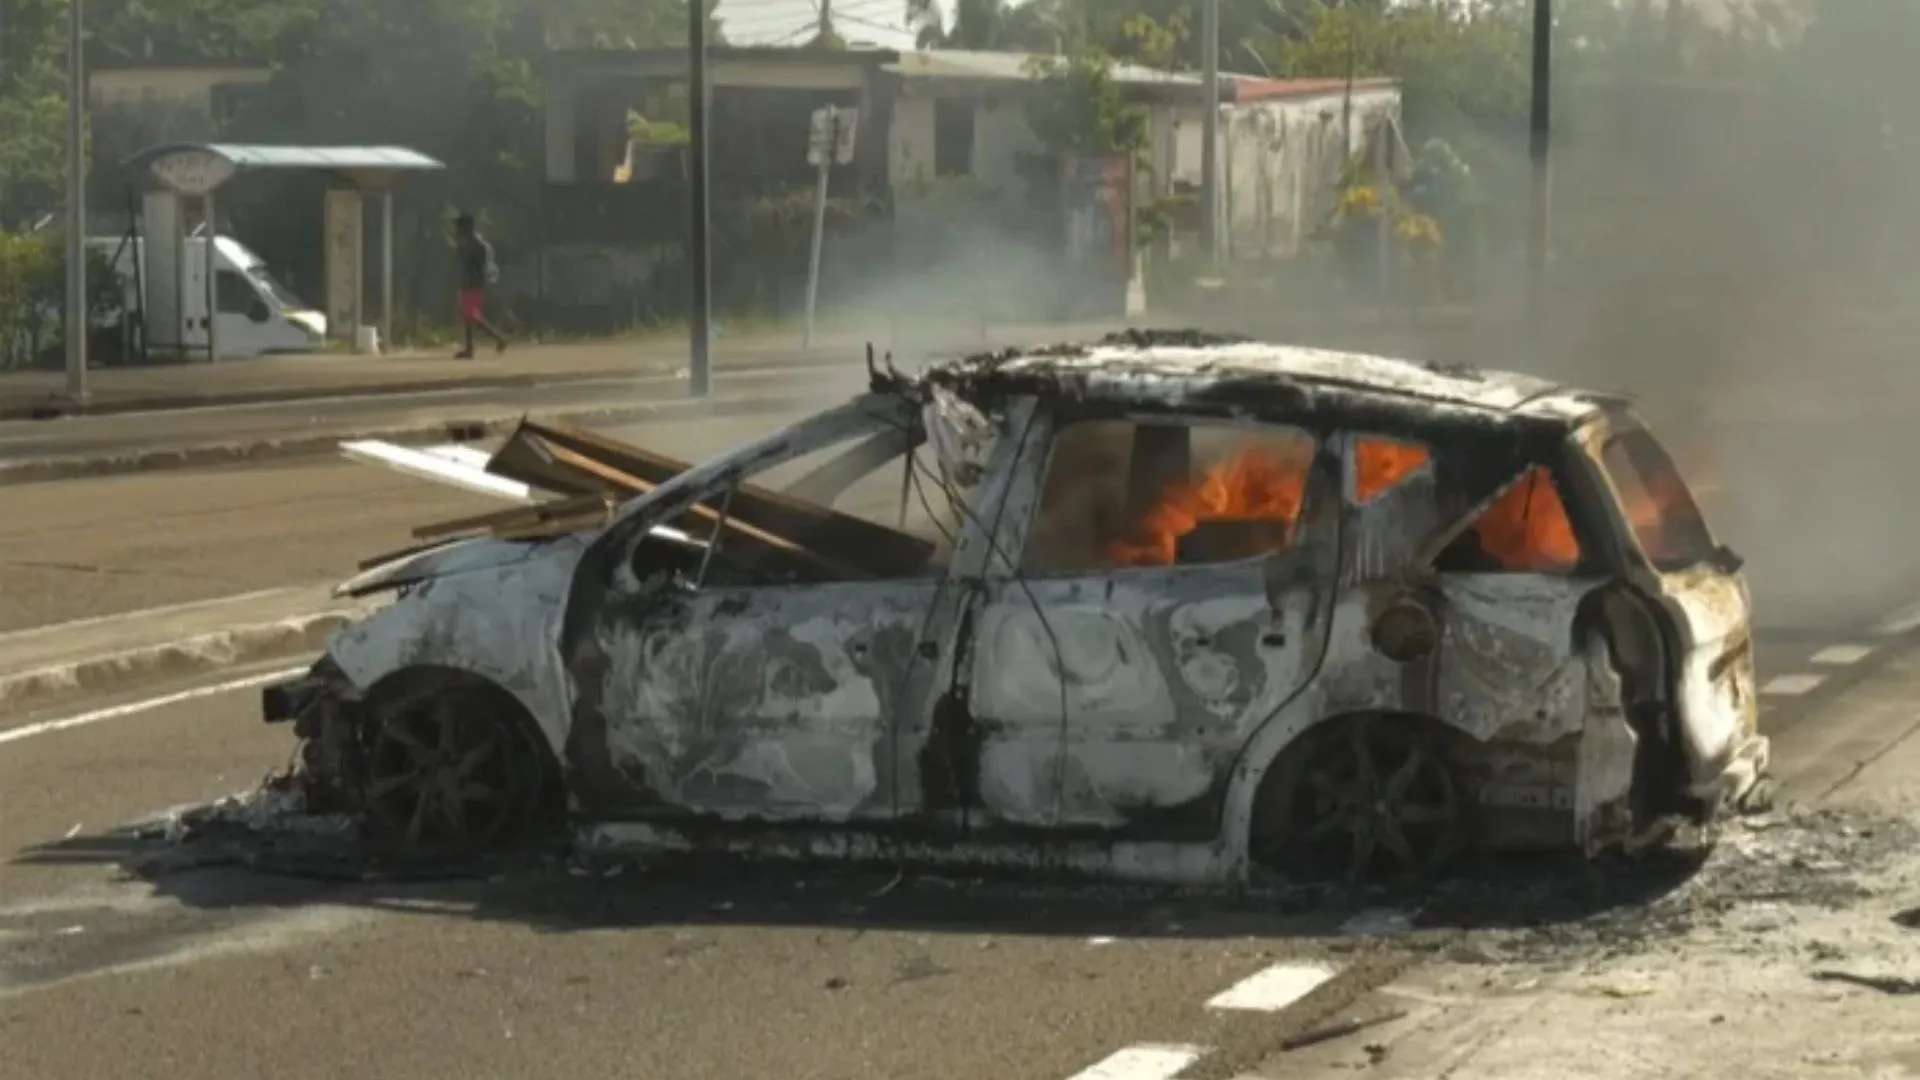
[(357, 175)]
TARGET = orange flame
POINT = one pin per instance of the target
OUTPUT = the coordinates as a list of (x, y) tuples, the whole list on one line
[(1251, 485), (1657, 512), (1382, 466), (1527, 529)]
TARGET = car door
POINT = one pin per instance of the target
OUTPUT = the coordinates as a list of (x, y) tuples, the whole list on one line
[(1480, 536), (1171, 589), (777, 702), (242, 320), (1699, 584), (765, 683)]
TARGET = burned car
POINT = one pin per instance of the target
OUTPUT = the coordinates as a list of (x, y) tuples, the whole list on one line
[(1167, 607)]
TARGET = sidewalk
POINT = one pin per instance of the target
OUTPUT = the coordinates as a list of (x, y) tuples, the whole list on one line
[(100, 655), (41, 394)]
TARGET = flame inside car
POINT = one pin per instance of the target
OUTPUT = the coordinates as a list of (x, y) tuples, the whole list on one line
[(1255, 488), (1255, 491)]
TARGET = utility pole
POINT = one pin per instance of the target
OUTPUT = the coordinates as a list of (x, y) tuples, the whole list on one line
[(1540, 147), (1210, 129), (826, 19), (700, 367), (76, 205)]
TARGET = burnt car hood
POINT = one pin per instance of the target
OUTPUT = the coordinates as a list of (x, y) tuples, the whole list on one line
[(457, 557), (461, 557)]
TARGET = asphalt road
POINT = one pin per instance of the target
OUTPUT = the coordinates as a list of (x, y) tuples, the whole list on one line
[(98, 546), (223, 974), (736, 392)]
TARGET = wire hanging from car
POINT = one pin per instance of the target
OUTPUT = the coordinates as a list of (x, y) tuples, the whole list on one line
[(990, 534)]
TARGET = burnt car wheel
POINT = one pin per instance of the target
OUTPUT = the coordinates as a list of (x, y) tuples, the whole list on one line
[(1363, 799), (448, 770)]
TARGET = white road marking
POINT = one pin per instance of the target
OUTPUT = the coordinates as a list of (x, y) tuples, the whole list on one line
[(1907, 618), (134, 708), (1150, 1061), (1792, 685), (1272, 989), (1842, 655)]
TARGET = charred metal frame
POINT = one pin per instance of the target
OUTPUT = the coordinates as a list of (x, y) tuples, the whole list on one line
[(702, 715)]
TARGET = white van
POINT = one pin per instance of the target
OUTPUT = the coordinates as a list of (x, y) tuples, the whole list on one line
[(254, 314)]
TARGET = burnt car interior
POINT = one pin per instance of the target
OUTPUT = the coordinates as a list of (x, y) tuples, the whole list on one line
[(1661, 510), (747, 534), (1124, 493)]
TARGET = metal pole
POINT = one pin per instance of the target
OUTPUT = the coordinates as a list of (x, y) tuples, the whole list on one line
[(819, 229), (1210, 129), (386, 270), (1383, 187), (76, 204), (699, 370), (1540, 146), (213, 275)]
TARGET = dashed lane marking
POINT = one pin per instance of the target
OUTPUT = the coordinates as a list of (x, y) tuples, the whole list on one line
[(1148, 1061), (1901, 622), (1792, 685), (1842, 655), (1272, 989), (134, 708)]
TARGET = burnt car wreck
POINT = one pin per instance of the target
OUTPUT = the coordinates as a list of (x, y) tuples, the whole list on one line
[(1166, 607)]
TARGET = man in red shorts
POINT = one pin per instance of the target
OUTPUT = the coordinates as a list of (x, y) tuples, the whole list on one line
[(477, 271)]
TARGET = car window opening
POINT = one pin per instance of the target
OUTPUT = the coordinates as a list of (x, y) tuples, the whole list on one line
[(848, 516), (1658, 504), (1121, 495), (1525, 531)]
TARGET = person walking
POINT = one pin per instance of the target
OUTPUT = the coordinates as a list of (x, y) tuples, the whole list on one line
[(477, 272)]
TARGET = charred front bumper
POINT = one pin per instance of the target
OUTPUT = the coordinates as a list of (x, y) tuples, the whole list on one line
[(324, 708)]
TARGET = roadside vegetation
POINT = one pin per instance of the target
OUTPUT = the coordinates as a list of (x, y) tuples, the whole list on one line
[(460, 80)]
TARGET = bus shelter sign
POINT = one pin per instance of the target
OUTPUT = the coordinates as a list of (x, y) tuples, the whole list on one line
[(192, 172)]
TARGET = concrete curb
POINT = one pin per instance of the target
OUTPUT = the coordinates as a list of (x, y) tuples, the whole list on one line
[(59, 408), (188, 656), (56, 407), (43, 470), (769, 357)]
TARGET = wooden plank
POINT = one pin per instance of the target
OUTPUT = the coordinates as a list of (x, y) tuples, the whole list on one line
[(707, 513), (494, 519), (886, 552), (523, 457)]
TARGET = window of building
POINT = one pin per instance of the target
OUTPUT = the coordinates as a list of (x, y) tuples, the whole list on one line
[(230, 100), (953, 122)]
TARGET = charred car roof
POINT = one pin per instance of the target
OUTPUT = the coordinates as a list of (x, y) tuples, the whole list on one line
[(1210, 372)]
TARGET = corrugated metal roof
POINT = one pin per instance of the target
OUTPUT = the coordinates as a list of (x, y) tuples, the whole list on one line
[(1251, 89), (243, 156), (1015, 67)]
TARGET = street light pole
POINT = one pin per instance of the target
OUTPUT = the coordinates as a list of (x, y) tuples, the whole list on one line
[(76, 205), (700, 367), (1210, 128), (1540, 147)]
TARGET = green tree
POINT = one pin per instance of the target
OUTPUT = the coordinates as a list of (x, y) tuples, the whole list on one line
[(983, 24), (1084, 111), (33, 111), (1450, 63)]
